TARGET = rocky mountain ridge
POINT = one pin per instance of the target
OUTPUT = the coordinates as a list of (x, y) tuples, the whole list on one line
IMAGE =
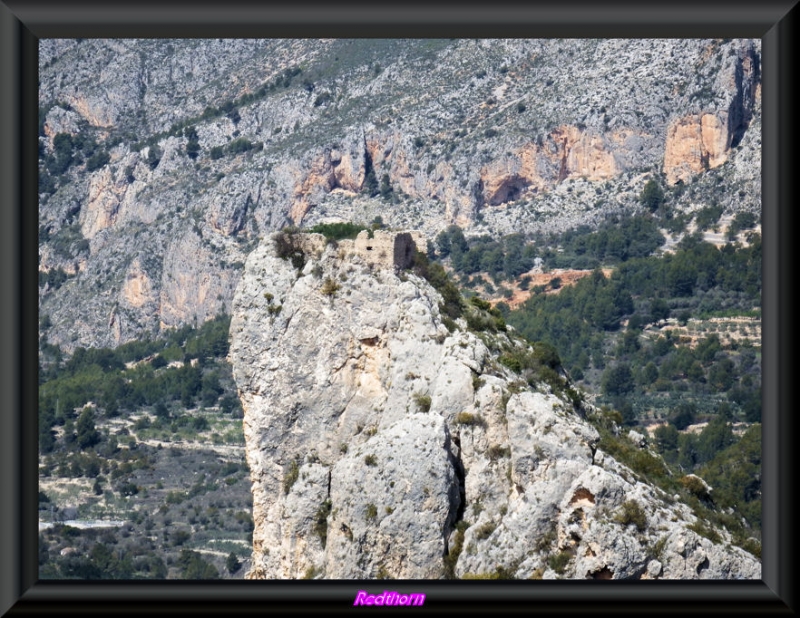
[(213, 144), (390, 435)]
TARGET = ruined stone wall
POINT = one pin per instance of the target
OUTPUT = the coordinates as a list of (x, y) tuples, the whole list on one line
[(386, 249)]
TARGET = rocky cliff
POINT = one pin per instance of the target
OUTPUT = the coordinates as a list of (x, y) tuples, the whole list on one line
[(386, 439), (164, 161)]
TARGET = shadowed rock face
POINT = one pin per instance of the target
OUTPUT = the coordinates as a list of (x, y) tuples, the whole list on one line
[(380, 443)]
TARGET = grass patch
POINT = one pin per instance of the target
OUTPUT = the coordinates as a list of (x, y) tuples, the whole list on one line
[(469, 419), (337, 231), (485, 531), (704, 530), (423, 402), (558, 562), (320, 527), (496, 451), (291, 476), (451, 559), (330, 287)]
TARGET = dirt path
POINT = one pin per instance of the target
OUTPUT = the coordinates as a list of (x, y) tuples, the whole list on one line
[(232, 451)]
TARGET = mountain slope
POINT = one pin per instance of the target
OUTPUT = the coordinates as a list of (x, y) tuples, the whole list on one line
[(163, 161)]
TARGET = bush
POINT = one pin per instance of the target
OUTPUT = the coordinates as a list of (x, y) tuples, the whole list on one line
[(652, 195), (618, 380), (684, 416), (632, 513), (194, 567), (451, 558), (496, 452), (199, 423), (435, 274), (371, 460), (322, 99), (239, 146), (127, 489), (695, 486), (88, 436), (512, 362), (485, 531), (559, 562), (232, 563), (154, 157), (703, 529), (320, 526), (330, 287), (179, 537), (97, 160)]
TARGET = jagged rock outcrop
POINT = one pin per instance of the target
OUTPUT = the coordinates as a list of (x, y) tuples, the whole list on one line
[(382, 443), (498, 136), (702, 141)]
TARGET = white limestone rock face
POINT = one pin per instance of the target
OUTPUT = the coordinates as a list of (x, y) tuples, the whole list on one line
[(321, 376), (381, 444), (386, 521)]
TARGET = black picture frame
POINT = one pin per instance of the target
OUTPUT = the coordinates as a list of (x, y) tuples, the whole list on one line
[(22, 23)]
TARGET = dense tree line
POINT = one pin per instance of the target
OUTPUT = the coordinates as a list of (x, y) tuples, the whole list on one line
[(506, 258), (618, 239), (102, 376), (598, 322)]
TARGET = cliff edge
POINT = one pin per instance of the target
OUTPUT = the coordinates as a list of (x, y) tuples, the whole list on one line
[(391, 437)]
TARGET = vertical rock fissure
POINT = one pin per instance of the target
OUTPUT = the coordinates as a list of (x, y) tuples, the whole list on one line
[(456, 512)]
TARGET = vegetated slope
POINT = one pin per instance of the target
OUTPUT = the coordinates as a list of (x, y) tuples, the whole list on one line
[(394, 430), (667, 336), (142, 472), (163, 161)]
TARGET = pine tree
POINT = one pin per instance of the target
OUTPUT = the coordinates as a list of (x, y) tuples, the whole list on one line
[(88, 435), (232, 563), (652, 195)]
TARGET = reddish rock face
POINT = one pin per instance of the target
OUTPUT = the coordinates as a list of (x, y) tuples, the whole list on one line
[(695, 144)]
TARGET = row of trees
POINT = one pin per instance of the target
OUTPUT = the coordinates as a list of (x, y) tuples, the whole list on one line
[(507, 258), (107, 558), (229, 108), (100, 375), (617, 240)]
